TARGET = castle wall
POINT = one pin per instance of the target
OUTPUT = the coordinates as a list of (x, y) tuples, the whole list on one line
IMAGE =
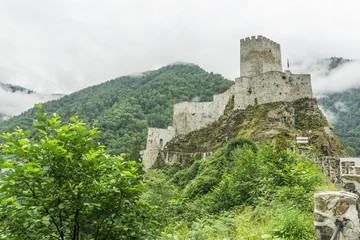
[(156, 140), (190, 116), (171, 157), (259, 55), (220, 101), (271, 87)]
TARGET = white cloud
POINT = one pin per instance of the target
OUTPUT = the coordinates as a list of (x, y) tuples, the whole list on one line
[(330, 116), (63, 46), (346, 77), (15, 103), (324, 81), (341, 107)]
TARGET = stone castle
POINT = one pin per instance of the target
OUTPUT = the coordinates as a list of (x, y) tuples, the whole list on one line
[(261, 81)]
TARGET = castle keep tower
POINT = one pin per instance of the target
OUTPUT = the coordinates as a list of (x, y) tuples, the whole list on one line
[(259, 55), (261, 78)]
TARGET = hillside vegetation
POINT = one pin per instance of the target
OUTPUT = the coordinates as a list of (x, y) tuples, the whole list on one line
[(125, 107), (243, 191), (251, 187)]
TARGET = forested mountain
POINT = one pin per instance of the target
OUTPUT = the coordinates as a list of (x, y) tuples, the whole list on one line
[(125, 107), (343, 109)]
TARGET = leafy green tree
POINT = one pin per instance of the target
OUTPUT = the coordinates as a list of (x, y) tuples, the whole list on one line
[(271, 173), (61, 185), (350, 151)]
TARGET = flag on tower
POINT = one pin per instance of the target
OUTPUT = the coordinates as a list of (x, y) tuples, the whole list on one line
[(288, 63)]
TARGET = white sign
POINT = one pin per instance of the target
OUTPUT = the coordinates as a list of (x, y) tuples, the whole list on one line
[(302, 140)]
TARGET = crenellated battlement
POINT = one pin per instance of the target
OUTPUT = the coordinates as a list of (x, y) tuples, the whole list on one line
[(259, 55), (259, 38)]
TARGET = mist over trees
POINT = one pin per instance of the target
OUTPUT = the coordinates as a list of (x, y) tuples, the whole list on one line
[(344, 108)]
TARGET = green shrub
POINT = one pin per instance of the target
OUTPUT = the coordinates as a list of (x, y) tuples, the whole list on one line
[(62, 185), (183, 177), (292, 223), (240, 186), (158, 190), (269, 174), (203, 175)]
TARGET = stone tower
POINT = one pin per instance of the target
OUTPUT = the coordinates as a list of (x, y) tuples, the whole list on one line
[(259, 55)]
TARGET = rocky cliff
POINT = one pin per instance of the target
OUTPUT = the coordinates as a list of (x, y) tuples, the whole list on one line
[(298, 118)]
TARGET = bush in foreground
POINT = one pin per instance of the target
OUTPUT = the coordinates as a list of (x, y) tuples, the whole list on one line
[(61, 185)]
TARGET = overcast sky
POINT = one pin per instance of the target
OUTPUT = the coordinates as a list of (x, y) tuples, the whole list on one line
[(63, 46)]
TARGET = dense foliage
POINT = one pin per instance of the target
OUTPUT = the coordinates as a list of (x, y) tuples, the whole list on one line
[(344, 111), (125, 107), (61, 185), (243, 191)]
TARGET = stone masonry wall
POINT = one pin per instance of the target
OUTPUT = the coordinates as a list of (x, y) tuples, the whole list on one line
[(343, 206), (156, 140), (190, 116), (332, 206), (259, 55), (183, 158), (271, 87)]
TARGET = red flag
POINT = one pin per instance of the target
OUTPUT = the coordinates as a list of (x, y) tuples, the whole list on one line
[(288, 63)]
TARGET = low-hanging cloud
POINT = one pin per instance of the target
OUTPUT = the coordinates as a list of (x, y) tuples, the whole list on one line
[(326, 80), (14, 103), (330, 116), (343, 78), (341, 107)]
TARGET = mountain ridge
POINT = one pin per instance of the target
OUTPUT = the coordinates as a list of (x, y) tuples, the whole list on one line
[(146, 108), (123, 108)]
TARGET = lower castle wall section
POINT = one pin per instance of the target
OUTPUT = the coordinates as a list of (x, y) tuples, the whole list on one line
[(183, 158), (156, 140), (158, 137), (271, 87), (149, 157)]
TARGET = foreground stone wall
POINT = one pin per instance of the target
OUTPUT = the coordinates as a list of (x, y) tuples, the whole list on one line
[(331, 168), (332, 206), (339, 206), (272, 86)]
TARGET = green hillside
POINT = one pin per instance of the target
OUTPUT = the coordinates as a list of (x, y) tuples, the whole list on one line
[(344, 107), (123, 108)]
